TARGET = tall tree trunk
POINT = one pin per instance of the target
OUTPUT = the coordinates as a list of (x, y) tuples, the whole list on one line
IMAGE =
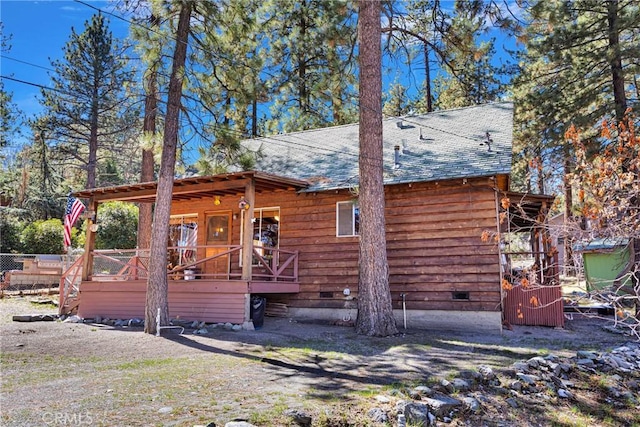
[(302, 62), (254, 116), (568, 205), (157, 283), (145, 210), (427, 79), (93, 139), (615, 61), (375, 311)]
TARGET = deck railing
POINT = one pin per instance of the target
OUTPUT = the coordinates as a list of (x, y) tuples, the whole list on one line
[(69, 286), (269, 264)]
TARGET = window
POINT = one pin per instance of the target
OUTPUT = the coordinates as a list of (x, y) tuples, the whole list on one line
[(266, 232), (347, 219), (183, 238)]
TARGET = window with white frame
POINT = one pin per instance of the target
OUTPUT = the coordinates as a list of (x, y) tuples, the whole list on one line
[(347, 219)]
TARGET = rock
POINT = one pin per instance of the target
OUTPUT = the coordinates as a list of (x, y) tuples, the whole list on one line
[(135, 322), (194, 325), (19, 344), (236, 328), (98, 319), (460, 385), (516, 386), (441, 404), (501, 391), (238, 424), (413, 394), (22, 318), (585, 362), (378, 416), (521, 367), (621, 362), (471, 404), (165, 410), (527, 379), (582, 354), (228, 326), (201, 331), (512, 402), (565, 394), (486, 372), (447, 386), (416, 414), (299, 417), (73, 319), (536, 362), (424, 390), (382, 399)]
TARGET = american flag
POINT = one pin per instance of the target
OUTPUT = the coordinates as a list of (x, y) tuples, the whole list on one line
[(74, 209), (190, 240)]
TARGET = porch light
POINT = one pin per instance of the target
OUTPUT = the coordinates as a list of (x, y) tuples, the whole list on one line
[(216, 200), (243, 204)]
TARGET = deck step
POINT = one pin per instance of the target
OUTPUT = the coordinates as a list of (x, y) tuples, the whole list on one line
[(70, 305), (275, 309)]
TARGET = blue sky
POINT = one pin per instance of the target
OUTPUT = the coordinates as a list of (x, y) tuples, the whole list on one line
[(39, 30)]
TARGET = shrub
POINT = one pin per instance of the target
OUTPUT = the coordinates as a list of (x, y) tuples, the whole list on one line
[(118, 226), (43, 237)]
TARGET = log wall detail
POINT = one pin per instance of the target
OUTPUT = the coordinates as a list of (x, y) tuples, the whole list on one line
[(435, 252)]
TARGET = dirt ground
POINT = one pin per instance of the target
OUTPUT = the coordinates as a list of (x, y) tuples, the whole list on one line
[(56, 373)]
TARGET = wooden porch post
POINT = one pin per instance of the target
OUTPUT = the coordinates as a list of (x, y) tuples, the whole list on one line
[(247, 237), (90, 242), (247, 243)]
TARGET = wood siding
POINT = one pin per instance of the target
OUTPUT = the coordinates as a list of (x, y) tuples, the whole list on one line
[(435, 251), (194, 300)]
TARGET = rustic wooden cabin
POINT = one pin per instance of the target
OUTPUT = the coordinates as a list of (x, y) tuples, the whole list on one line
[(288, 231)]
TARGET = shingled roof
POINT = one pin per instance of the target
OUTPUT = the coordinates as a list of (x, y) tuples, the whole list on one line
[(435, 146)]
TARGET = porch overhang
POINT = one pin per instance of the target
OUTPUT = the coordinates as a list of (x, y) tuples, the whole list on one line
[(195, 187), (526, 211)]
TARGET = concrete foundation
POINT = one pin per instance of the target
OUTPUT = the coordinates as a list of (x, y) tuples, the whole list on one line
[(480, 321)]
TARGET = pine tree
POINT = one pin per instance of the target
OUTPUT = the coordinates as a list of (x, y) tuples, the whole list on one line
[(397, 102), (10, 115), (157, 283), (311, 62), (455, 39), (579, 63), (375, 311), (150, 45), (227, 82), (472, 79), (88, 111)]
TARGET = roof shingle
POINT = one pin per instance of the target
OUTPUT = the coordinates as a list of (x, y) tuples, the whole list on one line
[(439, 145)]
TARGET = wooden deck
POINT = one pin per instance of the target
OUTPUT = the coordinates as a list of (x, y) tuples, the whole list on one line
[(117, 290), (202, 300)]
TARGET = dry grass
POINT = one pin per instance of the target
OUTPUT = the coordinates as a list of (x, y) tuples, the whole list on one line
[(95, 375)]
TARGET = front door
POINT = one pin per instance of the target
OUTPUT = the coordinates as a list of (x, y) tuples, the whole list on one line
[(218, 240)]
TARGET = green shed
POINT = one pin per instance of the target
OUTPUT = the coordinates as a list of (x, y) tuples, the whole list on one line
[(604, 260)]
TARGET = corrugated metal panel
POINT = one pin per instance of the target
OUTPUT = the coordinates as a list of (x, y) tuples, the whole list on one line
[(534, 306)]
